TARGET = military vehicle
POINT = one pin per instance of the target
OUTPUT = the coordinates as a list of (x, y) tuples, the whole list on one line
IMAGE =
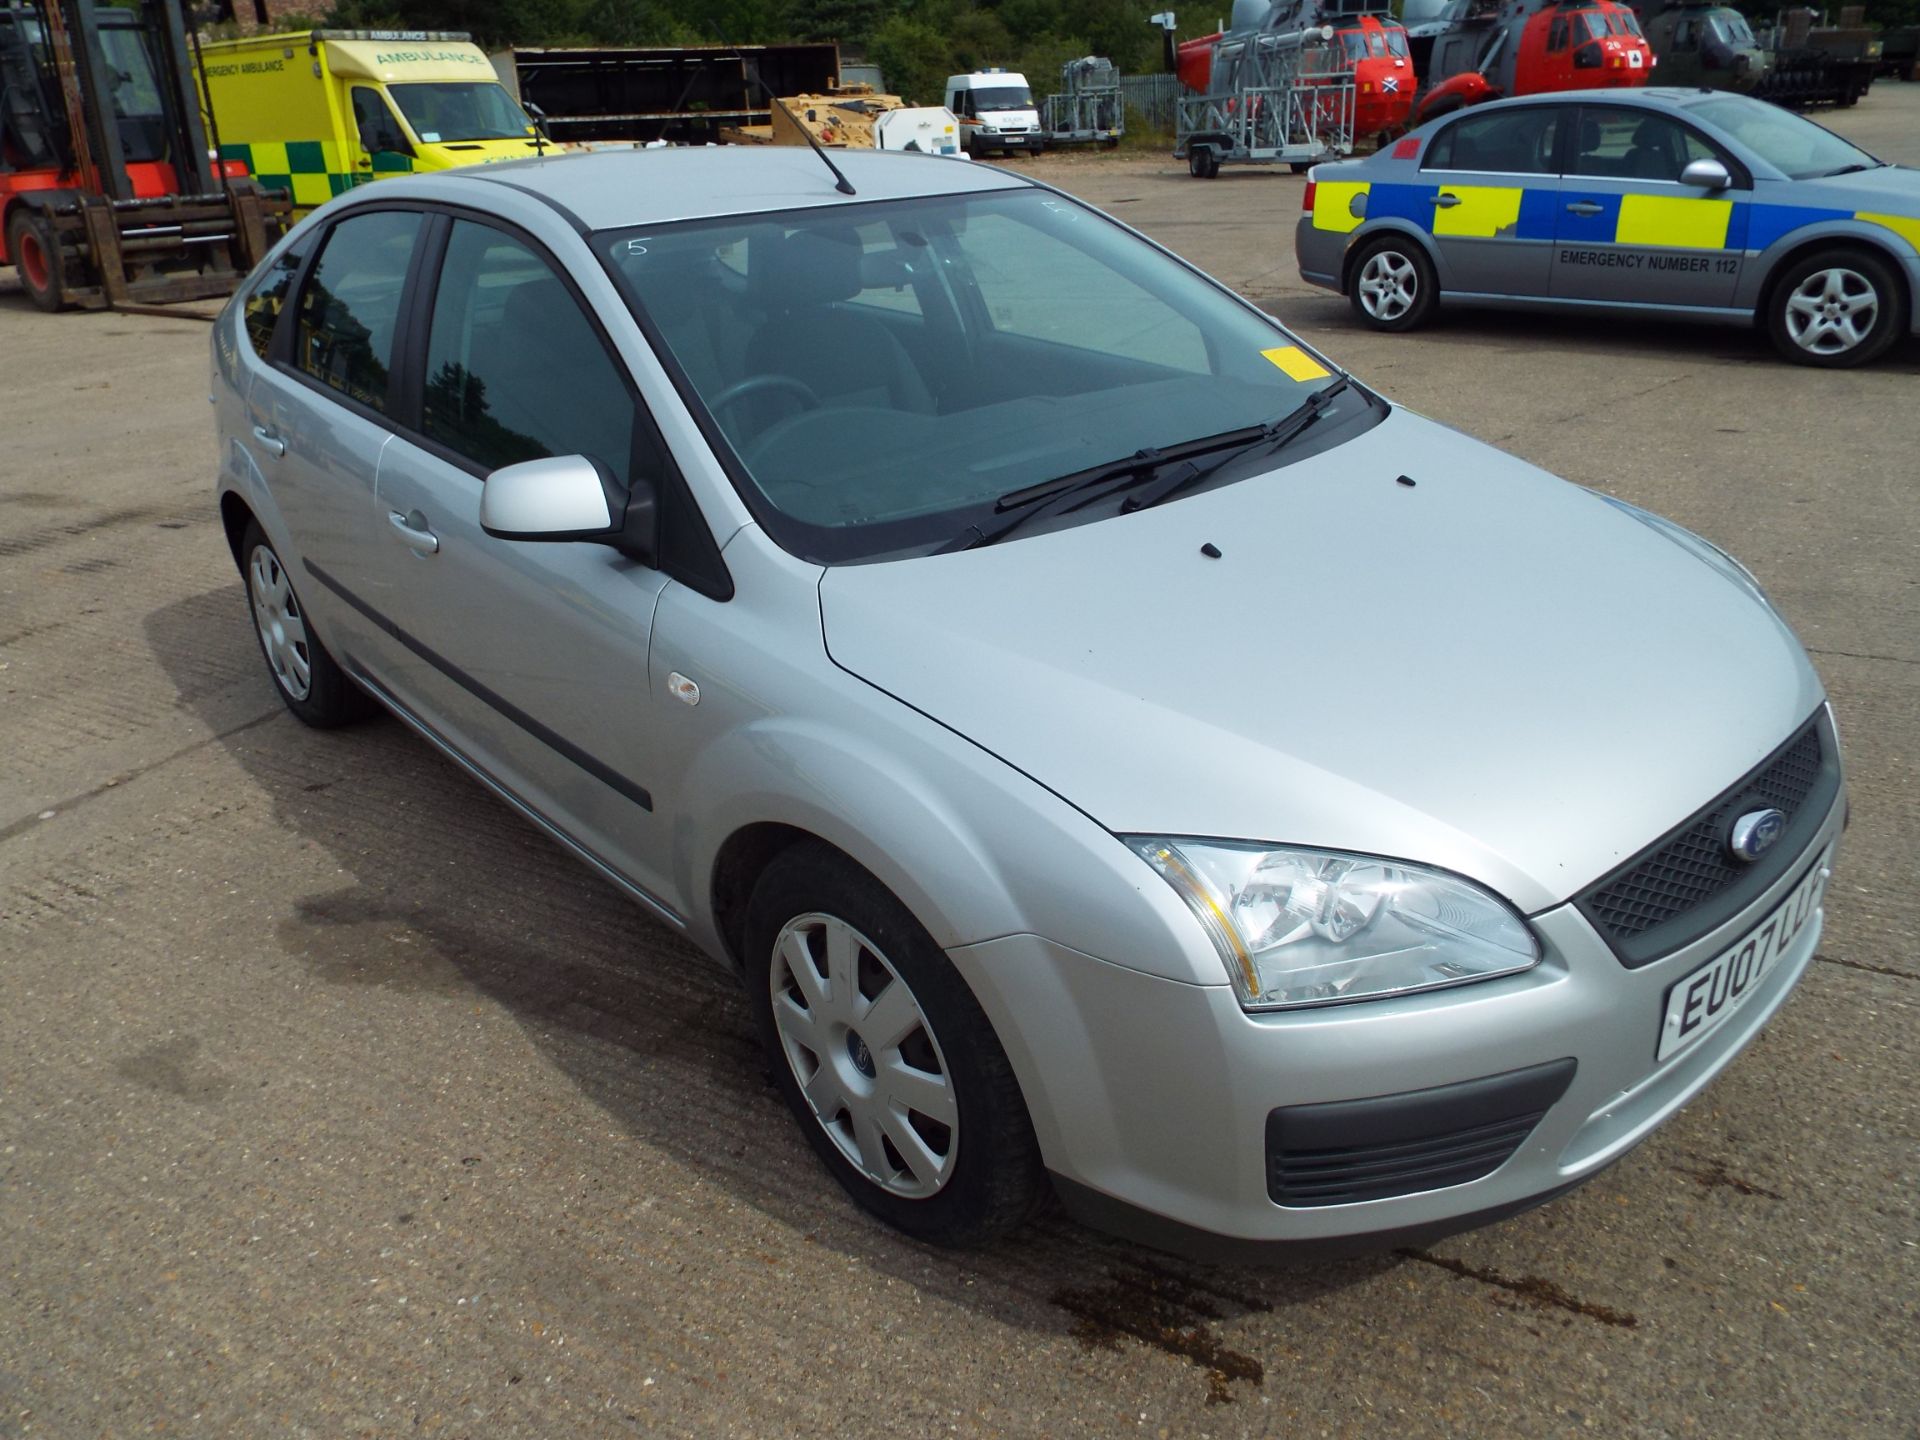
[(1820, 65), (1707, 45)]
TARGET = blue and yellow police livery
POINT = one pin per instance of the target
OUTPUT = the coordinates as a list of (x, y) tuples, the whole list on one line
[(1684, 202)]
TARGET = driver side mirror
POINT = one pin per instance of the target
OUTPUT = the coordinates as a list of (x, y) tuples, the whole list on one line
[(569, 497), (1707, 174)]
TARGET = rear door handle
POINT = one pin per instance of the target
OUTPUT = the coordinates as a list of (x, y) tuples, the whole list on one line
[(269, 441), (412, 528), (1585, 207), (1446, 201)]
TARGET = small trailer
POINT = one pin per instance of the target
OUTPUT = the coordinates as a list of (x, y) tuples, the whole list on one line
[(1088, 108), (1272, 99)]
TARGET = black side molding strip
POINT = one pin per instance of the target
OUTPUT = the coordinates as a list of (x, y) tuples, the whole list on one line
[(558, 743)]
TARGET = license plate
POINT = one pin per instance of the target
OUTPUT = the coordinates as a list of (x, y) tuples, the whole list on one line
[(1703, 1002)]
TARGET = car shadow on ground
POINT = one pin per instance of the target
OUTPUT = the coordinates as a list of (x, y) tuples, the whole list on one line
[(450, 892)]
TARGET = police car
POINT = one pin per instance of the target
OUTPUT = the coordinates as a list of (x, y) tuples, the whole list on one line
[(1693, 203)]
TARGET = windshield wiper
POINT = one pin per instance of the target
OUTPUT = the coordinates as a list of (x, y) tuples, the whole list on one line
[(1083, 487), (1086, 487), (1853, 169), (1275, 436)]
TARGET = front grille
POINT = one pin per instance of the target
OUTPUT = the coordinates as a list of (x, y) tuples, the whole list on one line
[(1689, 882), (1352, 1150)]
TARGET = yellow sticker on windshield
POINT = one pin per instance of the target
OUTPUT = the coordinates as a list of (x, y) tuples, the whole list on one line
[(1297, 364)]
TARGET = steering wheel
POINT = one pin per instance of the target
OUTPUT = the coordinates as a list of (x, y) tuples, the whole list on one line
[(754, 384)]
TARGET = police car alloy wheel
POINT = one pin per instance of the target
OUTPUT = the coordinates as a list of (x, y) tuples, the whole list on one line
[(1836, 308), (1393, 285)]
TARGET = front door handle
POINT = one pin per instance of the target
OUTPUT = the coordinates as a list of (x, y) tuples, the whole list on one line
[(1585, 207), (1446, 201), (412, 528), (269, 441)]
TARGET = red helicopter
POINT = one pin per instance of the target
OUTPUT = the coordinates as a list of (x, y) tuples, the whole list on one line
[(1466, 51)]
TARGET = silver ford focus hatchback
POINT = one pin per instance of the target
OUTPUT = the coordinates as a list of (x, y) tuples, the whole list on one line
[(1123, 756)]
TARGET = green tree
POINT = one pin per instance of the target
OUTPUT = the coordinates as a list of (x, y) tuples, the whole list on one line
[(851, 22), (915, 58)]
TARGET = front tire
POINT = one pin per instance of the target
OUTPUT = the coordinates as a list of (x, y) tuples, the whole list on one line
[(36, 259), (884, 1055), (1393, 285), (1836, 308), (312, 684)]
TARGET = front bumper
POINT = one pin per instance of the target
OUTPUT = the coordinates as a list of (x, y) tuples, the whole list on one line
[(1151, 1099)]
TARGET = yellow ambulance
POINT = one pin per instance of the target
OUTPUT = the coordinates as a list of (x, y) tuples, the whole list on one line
[(319, 112)]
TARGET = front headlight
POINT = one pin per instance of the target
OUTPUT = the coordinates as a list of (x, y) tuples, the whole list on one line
[(1313, 927)]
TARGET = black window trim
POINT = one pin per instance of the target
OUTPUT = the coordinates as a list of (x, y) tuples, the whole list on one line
[(1742, 176)]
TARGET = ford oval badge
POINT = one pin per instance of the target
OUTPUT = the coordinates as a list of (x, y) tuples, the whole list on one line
[(1754, 834)]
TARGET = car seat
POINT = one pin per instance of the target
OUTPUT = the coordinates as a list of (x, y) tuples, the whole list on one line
[(843, 357), (1649, 158)]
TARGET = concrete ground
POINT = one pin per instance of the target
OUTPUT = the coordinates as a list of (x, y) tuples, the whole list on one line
[(334, 1101)]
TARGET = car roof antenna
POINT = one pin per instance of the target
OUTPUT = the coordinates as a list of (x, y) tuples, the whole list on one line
[(840, 181)]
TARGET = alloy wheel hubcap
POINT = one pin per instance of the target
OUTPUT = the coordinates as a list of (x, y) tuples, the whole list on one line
[(1388, 285), (1831, 311), (283, 629), (864, 1056)]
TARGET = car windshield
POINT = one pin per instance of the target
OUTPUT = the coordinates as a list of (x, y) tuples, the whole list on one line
[(885, 373), (1796, 147), (461, 110), (1002, 97)]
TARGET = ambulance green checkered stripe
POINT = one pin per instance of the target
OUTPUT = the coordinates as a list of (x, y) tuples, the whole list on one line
[(302, 169)]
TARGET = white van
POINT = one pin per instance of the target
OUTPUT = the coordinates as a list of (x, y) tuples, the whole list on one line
[(996, 112)]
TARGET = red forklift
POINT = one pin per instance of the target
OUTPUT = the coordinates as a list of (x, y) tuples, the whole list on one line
[(109, 196)]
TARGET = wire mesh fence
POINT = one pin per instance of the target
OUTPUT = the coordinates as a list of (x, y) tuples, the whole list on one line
[(1152, 101)]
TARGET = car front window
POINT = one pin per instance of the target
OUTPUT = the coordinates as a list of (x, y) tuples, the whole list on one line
[(1003, 97), (456, 111), (1795, 146), (886, 373)]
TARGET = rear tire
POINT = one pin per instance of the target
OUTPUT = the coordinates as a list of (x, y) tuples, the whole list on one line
[(1393, 285), (1836, 308), (314, 687), (36, 258), (856, 1061)]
